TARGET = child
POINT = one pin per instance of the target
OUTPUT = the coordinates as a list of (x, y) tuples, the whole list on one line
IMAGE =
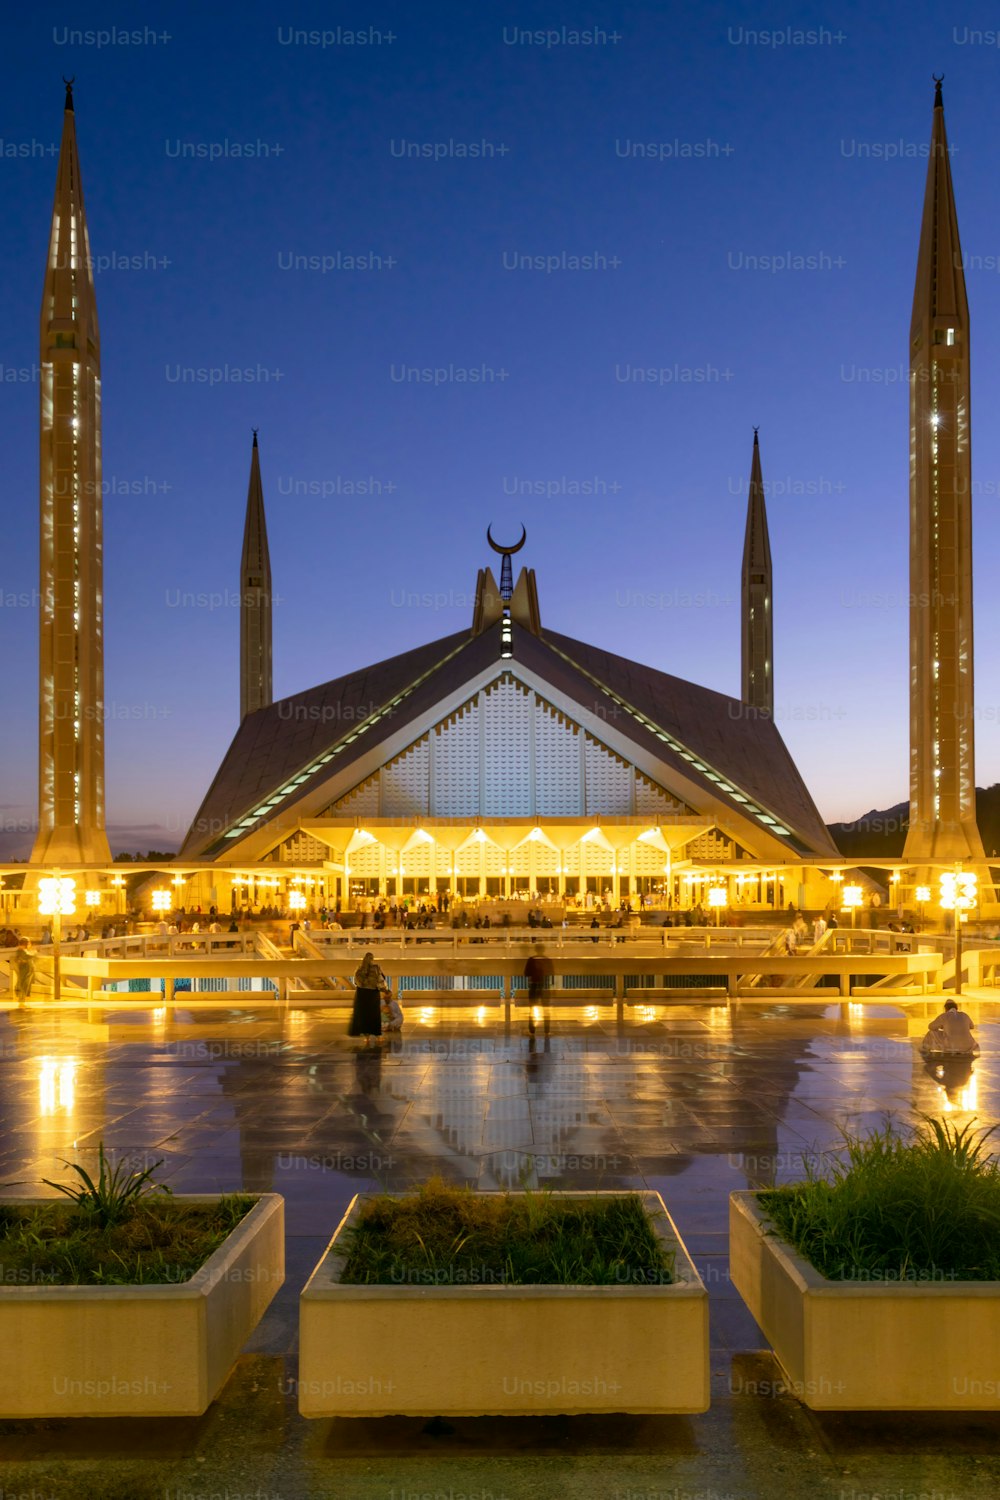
[(392, 1013)]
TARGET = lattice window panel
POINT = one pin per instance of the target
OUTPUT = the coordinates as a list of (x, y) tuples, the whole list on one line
[(648, 861), (366, 861), (650, 798), (416, 861), (467, 860), (546, 859), (596, 859), (361, 801), (302, 848), (557, 764), (404, 783), (710, 845), (571, 859), (507, 708), (608, 780), (455, 777), (492, 859)]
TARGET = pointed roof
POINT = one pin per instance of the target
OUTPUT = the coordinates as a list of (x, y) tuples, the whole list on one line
[(69, 294), (278, 743), (756, 544), (939, 291), (282, 754), (710, 737), (256, 559)]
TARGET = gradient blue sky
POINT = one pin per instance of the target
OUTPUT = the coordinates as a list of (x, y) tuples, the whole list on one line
[(814, 149)]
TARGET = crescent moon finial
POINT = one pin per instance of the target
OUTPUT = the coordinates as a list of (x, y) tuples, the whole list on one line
[(516, 547)]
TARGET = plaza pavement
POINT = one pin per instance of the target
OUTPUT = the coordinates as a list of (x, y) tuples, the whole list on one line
[(694, 1102)]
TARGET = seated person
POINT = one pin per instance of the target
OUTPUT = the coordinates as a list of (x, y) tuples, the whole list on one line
[(950, 1032)]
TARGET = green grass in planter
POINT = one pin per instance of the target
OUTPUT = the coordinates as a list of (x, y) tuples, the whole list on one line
[(921, 1206), (158, 1240), (445, 1236)]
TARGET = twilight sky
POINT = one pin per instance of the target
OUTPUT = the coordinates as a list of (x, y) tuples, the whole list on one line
[(324, 220)]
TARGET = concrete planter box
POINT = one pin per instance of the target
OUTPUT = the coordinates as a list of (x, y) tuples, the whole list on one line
[(487, 1350), (140, 1351), (866, 1346)]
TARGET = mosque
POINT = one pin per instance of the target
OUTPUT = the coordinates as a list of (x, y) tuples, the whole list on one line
[(509, 760), (506, 760)]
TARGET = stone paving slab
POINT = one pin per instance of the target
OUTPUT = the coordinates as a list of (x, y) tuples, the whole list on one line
[(694, 1106)]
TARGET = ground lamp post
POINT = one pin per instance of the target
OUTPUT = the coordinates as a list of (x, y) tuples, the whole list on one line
[(719, 898), (894, 891), (959, 894), (851, 898), (837, 880), (922, 896), (56, 899)]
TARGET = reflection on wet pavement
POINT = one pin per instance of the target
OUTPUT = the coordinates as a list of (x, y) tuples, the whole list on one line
[(693, 1102)]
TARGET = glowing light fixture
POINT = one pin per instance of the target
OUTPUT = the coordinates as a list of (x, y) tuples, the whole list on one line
[(57, 896)]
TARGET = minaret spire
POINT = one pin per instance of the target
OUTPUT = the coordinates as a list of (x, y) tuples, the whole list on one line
[(71, 617), (942, 752), (757, 688), (255, 598)]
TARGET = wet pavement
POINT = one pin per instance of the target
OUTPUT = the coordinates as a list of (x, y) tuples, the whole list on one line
[(692, 1102)]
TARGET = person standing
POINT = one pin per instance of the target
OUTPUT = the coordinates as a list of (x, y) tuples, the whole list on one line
[(538, 971), (366, 1017), (819, 929), (22, 970)]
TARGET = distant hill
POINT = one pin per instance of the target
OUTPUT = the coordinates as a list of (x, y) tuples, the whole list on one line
[(880, 834)]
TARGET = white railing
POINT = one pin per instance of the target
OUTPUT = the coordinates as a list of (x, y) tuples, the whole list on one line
[(156, 945), (646, 941)]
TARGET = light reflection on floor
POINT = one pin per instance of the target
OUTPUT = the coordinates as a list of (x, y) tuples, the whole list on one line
[(691, 1100), (233, 1098)]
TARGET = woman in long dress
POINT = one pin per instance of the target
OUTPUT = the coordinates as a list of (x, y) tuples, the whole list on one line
[(366, 1018)]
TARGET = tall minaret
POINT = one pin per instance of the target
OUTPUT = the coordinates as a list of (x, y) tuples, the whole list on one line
[(71, 648), (942, 759), (758, 625), (255, 599)]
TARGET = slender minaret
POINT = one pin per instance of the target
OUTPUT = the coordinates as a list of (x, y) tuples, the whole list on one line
[(255, 599), (71, 646), (942, 758), (758, 625)]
